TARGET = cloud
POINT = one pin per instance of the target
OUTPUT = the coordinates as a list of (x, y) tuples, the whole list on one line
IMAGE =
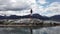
[(41, 1), (13, 5), (18, 13), (53, 9), (50, 10), (16, 7)]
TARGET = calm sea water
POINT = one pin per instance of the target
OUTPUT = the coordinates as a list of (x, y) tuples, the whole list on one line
[(25, 30)]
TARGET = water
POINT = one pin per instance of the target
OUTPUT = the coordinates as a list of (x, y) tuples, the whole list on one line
[(25, 30)]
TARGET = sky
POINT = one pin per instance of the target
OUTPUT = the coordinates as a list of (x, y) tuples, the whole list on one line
[(22, 7)]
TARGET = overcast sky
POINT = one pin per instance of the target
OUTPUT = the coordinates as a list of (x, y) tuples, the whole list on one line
[(22, 7)]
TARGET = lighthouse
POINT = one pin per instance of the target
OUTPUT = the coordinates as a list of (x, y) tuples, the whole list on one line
[(31, 12), (31, 21)]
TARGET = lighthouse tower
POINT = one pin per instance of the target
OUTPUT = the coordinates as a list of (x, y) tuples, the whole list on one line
[(31, 21), (31, 12)]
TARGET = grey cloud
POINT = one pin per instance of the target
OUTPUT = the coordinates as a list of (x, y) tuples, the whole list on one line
[(6, 5), (2, 2), (17, 8)]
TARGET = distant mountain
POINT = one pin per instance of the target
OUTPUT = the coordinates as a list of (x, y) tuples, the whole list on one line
[(55, 18), (26, 16), (9, 17), (40, 17)]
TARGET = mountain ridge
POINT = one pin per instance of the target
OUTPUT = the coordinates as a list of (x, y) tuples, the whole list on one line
[(55, 17)]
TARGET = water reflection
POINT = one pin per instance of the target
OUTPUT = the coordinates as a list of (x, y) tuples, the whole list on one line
[(25, 30), (14, 30), (48, 30)]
